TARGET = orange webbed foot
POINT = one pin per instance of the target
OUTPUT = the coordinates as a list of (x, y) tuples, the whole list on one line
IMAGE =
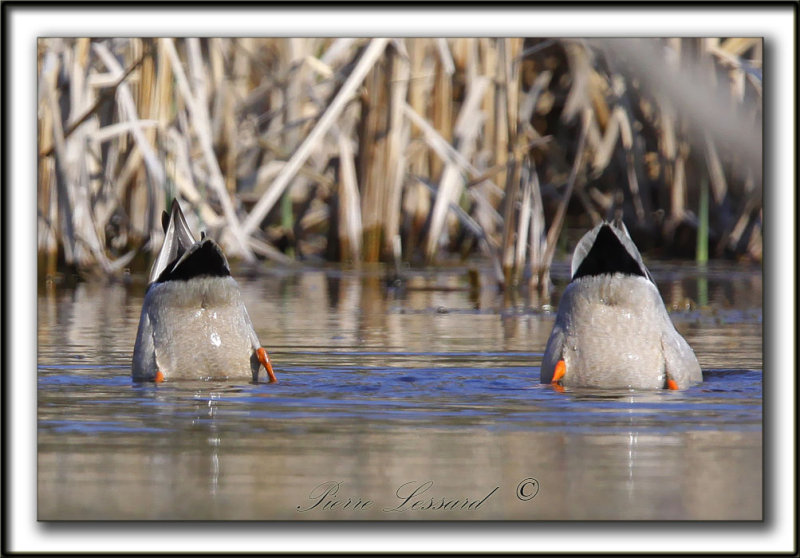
[(159, 377), (672, 384), (561, 369), (558, 373)]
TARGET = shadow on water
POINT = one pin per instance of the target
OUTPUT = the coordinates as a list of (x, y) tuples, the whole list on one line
[(383, 390)]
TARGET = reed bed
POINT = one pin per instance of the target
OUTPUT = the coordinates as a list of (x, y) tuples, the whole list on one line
[(418, 150)]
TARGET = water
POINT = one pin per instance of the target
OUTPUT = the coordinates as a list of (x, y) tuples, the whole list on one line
[(416, 403)]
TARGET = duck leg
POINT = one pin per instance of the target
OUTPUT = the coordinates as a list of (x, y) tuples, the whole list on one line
[(263, 358)]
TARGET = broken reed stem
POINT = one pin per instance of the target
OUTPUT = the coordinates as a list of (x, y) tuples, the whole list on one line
[(524, 220), (65, 212), (558, 220), (502, 113), (715, 171), (397, 147), (367, 60), (350, 229), (442, 100), (537, 243), (372, 164), (467, 127), (509, 220)]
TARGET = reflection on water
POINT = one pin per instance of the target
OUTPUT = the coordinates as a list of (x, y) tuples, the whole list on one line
[(413, 403)]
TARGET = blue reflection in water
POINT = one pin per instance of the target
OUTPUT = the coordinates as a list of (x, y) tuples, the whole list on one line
[(449, 396)]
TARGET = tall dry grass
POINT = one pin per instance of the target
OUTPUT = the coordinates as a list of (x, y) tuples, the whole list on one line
[(366, 150)]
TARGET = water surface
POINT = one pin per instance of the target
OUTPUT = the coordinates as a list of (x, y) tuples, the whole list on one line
[(419, 402)]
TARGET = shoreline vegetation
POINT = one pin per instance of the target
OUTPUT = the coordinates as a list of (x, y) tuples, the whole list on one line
[(418, 150)]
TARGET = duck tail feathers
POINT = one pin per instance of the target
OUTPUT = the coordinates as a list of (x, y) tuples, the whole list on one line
[(608, 248), (178, 238)]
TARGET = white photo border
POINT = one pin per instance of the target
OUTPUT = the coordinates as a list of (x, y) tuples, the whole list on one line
[(25, 22)]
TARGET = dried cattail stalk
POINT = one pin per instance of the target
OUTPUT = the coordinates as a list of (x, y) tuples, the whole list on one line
[(466, 129), (370, 56)]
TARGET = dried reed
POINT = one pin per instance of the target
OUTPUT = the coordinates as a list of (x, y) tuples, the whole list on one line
[(428, 147)]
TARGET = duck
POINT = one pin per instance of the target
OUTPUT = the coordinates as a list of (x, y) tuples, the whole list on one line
[(194, 324), (612, 329)]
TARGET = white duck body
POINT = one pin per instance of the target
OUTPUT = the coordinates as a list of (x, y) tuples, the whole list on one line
[(612, 329), (194, 324)]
